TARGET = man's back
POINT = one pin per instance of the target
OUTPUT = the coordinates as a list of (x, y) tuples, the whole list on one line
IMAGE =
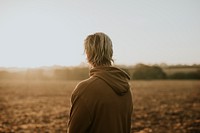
[(102, 103)]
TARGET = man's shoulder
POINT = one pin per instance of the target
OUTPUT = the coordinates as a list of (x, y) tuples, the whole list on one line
[(87, 82), (84, 84)]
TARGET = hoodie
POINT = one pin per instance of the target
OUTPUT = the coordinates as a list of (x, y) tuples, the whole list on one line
[(102, 103)]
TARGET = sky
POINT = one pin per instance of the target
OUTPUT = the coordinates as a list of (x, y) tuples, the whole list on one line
[(37, 33)]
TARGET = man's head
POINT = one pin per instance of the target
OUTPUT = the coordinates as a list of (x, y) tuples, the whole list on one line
[(98, 48)]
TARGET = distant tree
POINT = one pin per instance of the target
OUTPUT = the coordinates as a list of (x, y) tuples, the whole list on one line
[(35, 74), (76, 73), (11, 75), (185, 75), (142, 71)]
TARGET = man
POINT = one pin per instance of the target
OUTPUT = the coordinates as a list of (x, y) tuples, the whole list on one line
[(103, 102)]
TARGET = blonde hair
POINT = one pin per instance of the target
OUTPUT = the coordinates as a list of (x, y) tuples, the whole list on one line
[(98, 48)]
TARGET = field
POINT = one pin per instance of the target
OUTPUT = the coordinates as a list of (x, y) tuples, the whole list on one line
[(168, 106)]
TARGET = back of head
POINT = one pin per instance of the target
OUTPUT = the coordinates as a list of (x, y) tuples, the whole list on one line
[(98, 48)]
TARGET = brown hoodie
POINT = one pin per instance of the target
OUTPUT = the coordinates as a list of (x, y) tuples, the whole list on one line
[(102, 103)]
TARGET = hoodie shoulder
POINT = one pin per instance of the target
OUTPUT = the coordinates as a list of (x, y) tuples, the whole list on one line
[(82, 86)]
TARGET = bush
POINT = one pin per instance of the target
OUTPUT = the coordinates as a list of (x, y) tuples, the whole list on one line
[(148, 72), (75, 73), (187, 75)]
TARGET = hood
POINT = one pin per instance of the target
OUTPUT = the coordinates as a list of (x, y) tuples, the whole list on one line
[(116, 78)]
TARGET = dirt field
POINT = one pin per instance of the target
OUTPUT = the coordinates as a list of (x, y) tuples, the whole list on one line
[(43, 106)]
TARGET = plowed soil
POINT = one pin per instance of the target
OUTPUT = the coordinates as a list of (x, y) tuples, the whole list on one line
[(43, 106)]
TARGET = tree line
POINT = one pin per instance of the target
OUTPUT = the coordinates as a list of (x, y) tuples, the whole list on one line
[(137, 72), (142, 71)]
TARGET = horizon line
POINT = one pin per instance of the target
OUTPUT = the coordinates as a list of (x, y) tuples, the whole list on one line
[(86, 65)]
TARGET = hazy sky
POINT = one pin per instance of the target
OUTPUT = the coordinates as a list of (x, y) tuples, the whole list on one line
[(51, 32)]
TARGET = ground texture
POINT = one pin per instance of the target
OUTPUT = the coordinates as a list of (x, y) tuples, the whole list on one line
[(43, 106)]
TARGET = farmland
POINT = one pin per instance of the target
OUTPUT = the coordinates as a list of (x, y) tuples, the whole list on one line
[(160, 106)]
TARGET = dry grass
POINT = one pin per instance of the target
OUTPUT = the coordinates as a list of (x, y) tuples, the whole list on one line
[(166, 106), (43, 106)]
